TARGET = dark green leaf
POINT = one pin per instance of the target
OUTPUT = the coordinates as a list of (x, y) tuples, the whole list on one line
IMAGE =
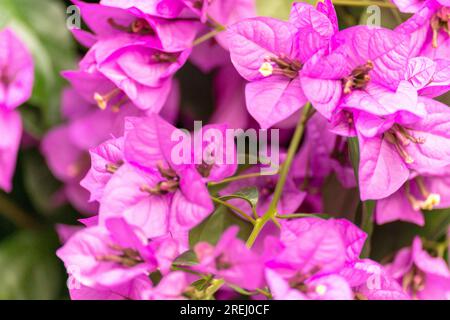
[(368, 207), (213, 227), (250, 195), (353, 147), (437, 224), (40, 184), (187, 259), (42, 26), (29, 267)]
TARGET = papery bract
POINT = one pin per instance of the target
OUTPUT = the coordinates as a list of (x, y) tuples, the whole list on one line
[(231, 260), (424, 277), (107, 256)]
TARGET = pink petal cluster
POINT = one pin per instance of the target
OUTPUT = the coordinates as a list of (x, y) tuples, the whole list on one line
[(16, 84), (118, 152)]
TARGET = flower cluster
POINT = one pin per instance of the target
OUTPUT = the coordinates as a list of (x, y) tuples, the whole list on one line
[(368, 89), (16, 83)]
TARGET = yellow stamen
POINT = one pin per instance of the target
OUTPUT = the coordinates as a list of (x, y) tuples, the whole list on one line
[(321, 289), (266, 69), (431, 202), (102, 104), (103, 100)]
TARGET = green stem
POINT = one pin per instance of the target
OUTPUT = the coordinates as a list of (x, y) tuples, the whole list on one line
[(297, 138), (259, 225), (206, 37), (214, 287), (242, 177), (15, 214), (216, 24), (368, 210), (302, 215), (217, 28), (272, 211), (363, 3), (235, 209)]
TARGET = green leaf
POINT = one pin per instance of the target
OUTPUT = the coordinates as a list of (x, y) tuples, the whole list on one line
[(42, 26), (277, 8), (368, 211), (437, 224), (391, 237), (29, 267), (40, 184), (250, 195), (368, 207), (187, 259), (353, 149), (213, 227)]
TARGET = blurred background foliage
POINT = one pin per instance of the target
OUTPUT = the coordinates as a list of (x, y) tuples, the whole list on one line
[(29, 268)]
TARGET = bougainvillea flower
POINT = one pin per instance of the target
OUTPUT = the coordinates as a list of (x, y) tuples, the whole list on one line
[(107, 256), (395, 133), (168, 9), (312, 253), (430, 78), (305, 264), (16, 83), (371, 281), (106, 159), (115, 73), (374, 74), (424, 277), (125, 196), (159, 193), (16, 71), (277, 65), (111, 19), (429, 27), (425, 192), (329, 287), (231, 260), (310, 257), (274, 97), (390, 149), (267, 53), (380, 84), (154, 144), (11, 133)]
